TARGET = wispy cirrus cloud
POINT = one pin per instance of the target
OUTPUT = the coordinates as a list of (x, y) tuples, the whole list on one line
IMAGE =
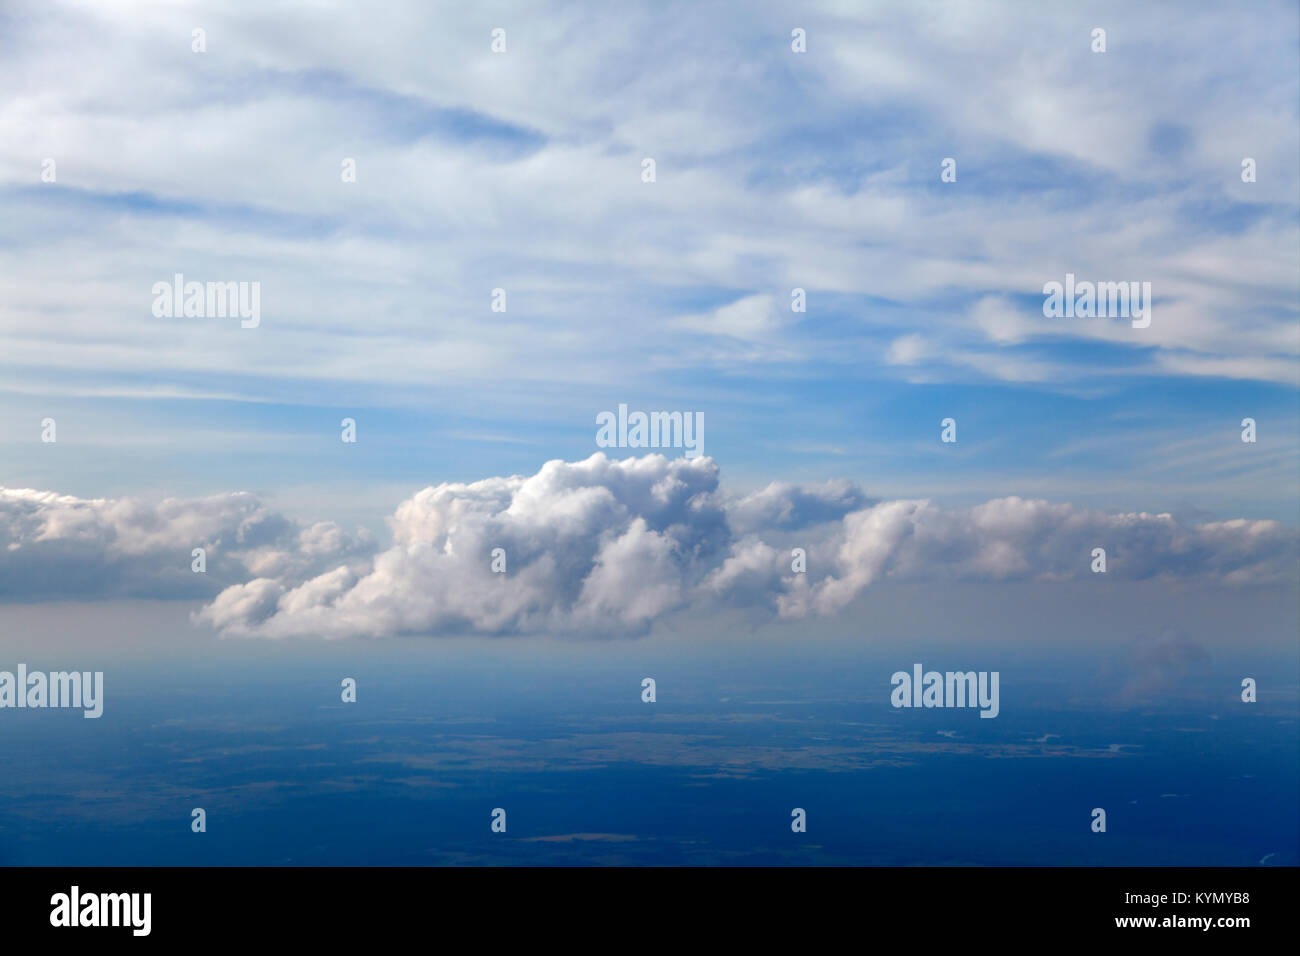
[(775, 171), (818, 171)]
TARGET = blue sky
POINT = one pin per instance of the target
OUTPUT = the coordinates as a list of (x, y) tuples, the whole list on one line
[(775, 170)]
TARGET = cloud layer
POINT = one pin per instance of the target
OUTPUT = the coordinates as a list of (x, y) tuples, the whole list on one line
[(599, 547), (775, 170)]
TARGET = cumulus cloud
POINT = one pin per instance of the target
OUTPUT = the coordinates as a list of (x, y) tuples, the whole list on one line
[(54, 545), (599, 546), (611, 546), (588, 545)]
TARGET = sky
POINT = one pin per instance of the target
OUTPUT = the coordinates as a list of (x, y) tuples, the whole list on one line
[(774, 171), (462, 263)]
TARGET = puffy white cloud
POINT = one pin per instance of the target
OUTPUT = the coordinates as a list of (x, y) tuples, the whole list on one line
[(599, 546), (1015, 538), (785, 506), (59, 545), (588, 545), (611, 546)]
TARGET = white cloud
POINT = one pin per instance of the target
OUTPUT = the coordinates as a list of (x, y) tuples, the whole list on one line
[(54, 545), (605, 546), (598, 546), (529, 162), (908, 350)]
